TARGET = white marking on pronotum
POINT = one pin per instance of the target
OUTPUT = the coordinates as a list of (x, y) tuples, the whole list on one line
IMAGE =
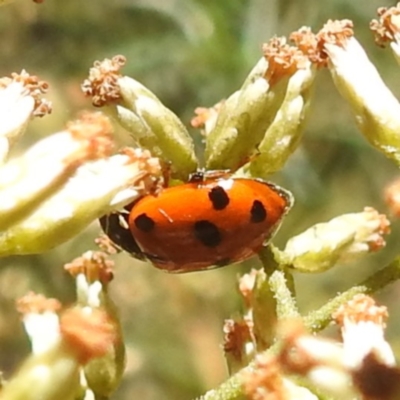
[(226, 184)]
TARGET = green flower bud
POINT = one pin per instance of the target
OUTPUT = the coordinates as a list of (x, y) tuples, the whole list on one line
[(284, 134), (52, 375), (323, 245), (376, 110), (261, 306), (152, 125), (29, 180), (95, 189), (242, 122), (245, 117)]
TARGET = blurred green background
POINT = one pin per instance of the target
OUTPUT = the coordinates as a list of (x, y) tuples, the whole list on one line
[(192, 53)]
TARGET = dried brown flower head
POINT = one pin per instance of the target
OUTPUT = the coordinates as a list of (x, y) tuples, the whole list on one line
[(95, 130), (37, 303), (236, 335), (94, 265), (283, 59), (105, 244), (89, 335), (308, 43), (34, 87), (102, 83), (264, 381), (387, 27), (361, 308)]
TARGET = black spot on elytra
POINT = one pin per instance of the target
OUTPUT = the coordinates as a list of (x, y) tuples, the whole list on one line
[(218, 197), (207, 233), (144, 223), (258, 213)]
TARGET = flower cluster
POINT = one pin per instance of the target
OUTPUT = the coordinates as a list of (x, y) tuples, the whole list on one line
[(65, 181), (361, 366)]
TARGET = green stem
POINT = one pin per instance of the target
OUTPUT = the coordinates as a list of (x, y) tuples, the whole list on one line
[(231, 389), (317, 320), (280, 282), (286, 306)]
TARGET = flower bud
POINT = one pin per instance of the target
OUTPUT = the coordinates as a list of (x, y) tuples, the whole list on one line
[(245, 117), (323, 245), (366, 352), (20, 99), (376, 110), (266, 381), (93, 272), (239, 347), (363, 323), (95, 189), (54, 373), (29, 180), (151, 124), (387, 28), (40, 320), (318, 360), (283, 135), (261, 307)]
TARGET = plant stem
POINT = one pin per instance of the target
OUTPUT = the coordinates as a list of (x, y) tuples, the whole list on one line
[(317, 320)]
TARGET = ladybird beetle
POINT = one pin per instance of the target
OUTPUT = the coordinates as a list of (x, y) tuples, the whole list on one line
[(206, 223)]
